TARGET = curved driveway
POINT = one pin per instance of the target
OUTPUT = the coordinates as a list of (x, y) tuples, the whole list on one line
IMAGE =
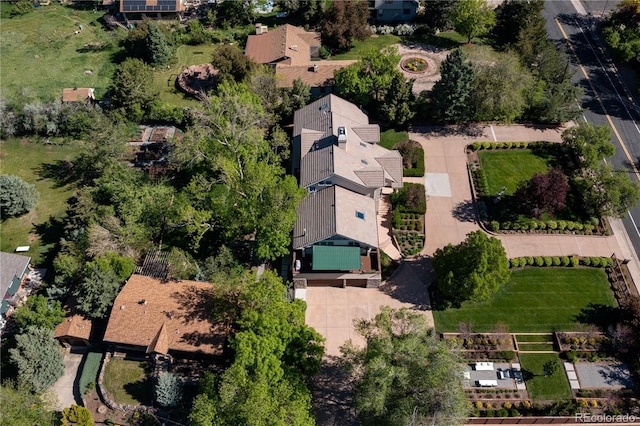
[(450, 215)]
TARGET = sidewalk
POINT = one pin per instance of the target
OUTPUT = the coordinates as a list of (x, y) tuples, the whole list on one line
[(451, 214)]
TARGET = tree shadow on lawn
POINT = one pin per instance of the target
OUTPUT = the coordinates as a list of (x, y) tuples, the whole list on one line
[(602, 316), (142, 390), (50, 233), (62, 172)]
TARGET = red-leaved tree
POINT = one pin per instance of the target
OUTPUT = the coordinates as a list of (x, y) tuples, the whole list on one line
[(543, 193)]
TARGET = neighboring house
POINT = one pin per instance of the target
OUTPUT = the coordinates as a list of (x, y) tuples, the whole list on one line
[(153, 316), (338, 160), (136, 8), (78, 94), (294, 53), (75, 330), (13, 271), (393, 10)]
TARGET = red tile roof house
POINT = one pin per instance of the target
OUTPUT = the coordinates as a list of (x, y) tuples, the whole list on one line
[(337, 158), (294, 54), (152, 316)]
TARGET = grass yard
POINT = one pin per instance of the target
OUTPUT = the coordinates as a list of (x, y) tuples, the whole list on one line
[(128, 381), (534, 300), (26, 159), (536, 347), (510, 167), (165, 80), (41, 53), (391, 137), (361, 47), (524, 338), (555, 387), (90, 369)]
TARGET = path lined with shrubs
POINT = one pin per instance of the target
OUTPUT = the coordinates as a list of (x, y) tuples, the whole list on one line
[(449, 219)]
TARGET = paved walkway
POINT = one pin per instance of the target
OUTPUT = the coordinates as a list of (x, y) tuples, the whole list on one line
[(450, 212), (385, 242), (64, 386)]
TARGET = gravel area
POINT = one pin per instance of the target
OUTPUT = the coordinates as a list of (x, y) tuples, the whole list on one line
[(603, 375)]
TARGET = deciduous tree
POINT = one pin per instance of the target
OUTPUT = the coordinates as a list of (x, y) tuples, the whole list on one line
[(39, 312), (622, 31), (543, 193), (132, 91), (344, 22), (472, 18), (475, 269), (20, 406), (17, 197), (232, 62), (589, 143), (38, 358), (405, 375), (451, 95)]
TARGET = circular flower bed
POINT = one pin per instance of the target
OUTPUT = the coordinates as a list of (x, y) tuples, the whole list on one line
[(414, 65)]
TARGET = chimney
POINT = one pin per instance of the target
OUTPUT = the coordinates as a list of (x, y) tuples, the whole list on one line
[(342, 137), (315, 67), (261, 29)]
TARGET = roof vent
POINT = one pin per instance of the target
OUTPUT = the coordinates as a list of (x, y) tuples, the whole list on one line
[(294, 47), (122, 307), (342, 135)]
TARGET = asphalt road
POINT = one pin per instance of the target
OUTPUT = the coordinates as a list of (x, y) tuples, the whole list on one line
[(610, 96)]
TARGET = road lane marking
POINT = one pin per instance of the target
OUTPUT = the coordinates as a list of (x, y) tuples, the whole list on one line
[(493, 133), (634, 223), (606, 114)]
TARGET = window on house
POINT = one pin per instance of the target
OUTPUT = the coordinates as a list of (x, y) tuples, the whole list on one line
[(359, 215)]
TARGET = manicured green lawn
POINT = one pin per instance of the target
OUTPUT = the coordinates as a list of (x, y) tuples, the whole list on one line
[(554, 387), (534, 338), (534, 300), (391, 137), (535, 347), (27, 159), (128, 381), (361, 47), (42, 54), (165, 80), (510, 167)]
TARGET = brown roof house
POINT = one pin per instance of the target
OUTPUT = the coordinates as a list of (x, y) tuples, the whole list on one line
[(137, 8), (338, 160), (165, 317), (75, 330), (78, 94), (294, 53)]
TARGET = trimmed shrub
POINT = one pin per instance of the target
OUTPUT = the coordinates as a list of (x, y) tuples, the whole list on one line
[(575, 261), (502, 413), (552, 224), (555, 260), (542, 225), (586, 261), (514, 412), (514, 263), (562, 225), (533, 225), (539, 261), (564, 260), (548, 261), (530, 261), (595, 262), (495, 225)]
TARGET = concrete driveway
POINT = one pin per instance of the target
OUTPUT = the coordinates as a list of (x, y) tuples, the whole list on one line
[(64, 387), (333, 310)]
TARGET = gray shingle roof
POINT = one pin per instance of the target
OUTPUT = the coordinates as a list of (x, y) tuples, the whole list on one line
[(11, 265), (333, 212)]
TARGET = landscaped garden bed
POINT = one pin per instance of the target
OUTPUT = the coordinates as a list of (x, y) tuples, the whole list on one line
[(409, 206), (523, 187), (412, 158)]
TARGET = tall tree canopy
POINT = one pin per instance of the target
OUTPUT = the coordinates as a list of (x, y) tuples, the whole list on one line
[(344, 22), (543, 193), (451, 95), (622, 31), (132, 89), (38, 358), (472, 18), (159, 51), (39, 312), (20, 406), (376, 84), (275, 352), (405, 374), (238, 185), (475, 269)]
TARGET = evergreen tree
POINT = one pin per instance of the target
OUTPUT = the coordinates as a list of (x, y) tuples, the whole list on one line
[(38, 358), (16, 196), (451, 95), (159, 50), (168, 390)]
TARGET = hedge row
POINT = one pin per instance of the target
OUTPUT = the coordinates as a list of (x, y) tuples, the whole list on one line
[(417, 171), (596, 262), (477, 146), (542, 225)]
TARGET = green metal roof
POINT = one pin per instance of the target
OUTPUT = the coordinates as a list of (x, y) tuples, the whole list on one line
[(336, 258)]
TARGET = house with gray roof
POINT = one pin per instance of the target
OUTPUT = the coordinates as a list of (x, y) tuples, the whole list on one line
[(393, 10), (337, 158), (13, 269)]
